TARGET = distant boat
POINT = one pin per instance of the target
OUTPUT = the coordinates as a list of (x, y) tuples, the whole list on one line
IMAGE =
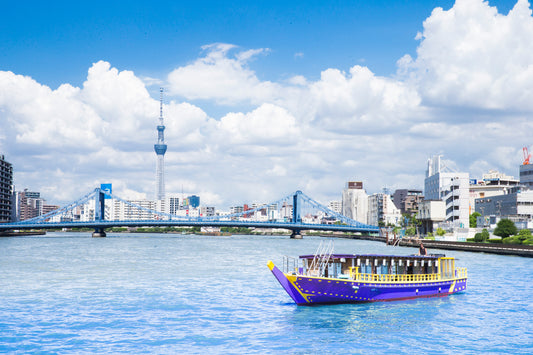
[(326, 278)]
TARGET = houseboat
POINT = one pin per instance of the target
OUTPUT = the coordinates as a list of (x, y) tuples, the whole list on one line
[(326, 278)]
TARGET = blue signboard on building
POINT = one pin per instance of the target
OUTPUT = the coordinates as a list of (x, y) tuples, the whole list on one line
[(107, 188), (194, 201)]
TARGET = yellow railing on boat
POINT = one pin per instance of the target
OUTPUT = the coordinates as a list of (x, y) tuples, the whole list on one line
[(459, 273)]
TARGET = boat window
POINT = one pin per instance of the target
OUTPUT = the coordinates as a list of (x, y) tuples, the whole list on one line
[(383, 269), (400, 269), (366, 269)]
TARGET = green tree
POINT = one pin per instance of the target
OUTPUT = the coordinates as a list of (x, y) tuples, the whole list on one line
[(440, 232), (505, 228), (410, 231), (481, 237), (524, 234), (473, 219)]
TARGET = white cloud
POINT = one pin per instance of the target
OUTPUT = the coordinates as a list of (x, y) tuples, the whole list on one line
[(473, 56), (222, 78), (361, 101), (268, 124)]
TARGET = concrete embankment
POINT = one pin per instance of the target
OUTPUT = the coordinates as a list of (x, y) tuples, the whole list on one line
[(21, 233), (493, 248)]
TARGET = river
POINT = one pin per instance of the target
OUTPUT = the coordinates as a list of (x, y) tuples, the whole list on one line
[(67, 293)]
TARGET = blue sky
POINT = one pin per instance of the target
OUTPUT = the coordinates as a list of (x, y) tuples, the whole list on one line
[(152, 38), (378, 85)]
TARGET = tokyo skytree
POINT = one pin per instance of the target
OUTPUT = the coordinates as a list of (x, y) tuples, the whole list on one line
[(160, 149)]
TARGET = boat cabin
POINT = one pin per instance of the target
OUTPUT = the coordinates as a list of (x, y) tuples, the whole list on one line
[(384, 268)]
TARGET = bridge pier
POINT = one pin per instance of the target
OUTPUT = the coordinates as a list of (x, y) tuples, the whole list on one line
[(296, 234), (99, 233)]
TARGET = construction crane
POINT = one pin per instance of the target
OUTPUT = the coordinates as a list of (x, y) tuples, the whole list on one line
[(527, 155)]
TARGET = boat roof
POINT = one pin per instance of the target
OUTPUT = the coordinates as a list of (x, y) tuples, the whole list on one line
[(374, 256)]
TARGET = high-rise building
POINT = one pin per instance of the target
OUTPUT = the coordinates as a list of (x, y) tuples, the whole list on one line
[(29, 204), (355, 202), (160, 150), (6, 188), (450, 187)]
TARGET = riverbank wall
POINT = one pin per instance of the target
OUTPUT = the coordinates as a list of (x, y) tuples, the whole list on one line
[(493, 248)]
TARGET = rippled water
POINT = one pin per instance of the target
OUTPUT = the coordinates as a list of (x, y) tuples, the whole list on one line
[(70, 293)]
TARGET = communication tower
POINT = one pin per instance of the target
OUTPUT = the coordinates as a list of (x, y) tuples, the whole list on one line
[(160, 149)]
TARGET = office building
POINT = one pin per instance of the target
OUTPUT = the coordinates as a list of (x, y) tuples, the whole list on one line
[(526, 174), (6, 190), (450, 187), (493, 183), (516, 204), (407, 200), (335, 206), (122, 211), (382, 211)]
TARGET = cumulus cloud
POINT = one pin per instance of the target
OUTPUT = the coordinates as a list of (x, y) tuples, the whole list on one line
[(268, 124), (221, 77), (473, 56), (36, 116), (337, 101), (361, 101)]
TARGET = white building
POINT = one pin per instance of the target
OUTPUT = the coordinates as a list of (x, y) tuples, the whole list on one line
[(355, 202), (121, 211), (335, 206), (430, 213), (450, 187), (382, 209)]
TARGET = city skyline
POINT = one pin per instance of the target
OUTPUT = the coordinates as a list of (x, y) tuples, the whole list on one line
[(264, 101)]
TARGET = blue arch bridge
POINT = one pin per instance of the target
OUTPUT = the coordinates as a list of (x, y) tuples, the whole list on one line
[(296, 212)]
